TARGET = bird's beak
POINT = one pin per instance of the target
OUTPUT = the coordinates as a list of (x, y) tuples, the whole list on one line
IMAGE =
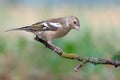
[(77, 28)]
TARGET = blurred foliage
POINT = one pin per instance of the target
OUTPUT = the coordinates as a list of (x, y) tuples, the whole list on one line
[(2, 46), (22, 44), (116, 56), (34, 56), (23, 58)]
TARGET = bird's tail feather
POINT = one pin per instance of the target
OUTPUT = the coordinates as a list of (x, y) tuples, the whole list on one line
[(26, 28)]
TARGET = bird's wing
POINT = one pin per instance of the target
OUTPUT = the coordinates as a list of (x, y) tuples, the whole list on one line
[(46, 26)]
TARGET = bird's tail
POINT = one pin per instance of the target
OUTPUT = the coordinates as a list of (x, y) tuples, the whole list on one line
[(26, 28)]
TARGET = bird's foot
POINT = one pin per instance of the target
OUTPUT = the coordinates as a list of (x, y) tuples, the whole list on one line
[(57, 49)]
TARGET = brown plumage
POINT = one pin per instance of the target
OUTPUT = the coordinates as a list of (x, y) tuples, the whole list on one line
[(52, 28)]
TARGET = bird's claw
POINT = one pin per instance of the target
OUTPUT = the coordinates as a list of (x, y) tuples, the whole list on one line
[(57, 49)]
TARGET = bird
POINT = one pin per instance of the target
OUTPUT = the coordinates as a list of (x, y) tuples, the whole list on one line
[(52, 28)]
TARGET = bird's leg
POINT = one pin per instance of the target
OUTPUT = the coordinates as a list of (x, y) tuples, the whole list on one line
[(36, 38), (41, 40), (55, 47), (48, 44)]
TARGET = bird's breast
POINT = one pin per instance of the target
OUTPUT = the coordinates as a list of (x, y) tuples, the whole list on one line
[(49, 35), (61, 32)]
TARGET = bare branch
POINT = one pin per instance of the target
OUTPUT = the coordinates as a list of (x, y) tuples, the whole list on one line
[(81, 59)]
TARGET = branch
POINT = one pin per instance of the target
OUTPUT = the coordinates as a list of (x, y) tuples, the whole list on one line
[(76, 57)]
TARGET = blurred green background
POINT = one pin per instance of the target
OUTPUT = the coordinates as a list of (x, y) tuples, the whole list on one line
[(23, 58)]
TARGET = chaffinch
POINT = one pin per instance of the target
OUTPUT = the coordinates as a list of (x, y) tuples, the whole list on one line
[(52, 28)]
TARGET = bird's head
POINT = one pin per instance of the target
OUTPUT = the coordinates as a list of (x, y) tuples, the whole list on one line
[(74, 22)]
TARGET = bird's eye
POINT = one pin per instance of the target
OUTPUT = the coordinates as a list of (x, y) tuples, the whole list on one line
[(74, 22)]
